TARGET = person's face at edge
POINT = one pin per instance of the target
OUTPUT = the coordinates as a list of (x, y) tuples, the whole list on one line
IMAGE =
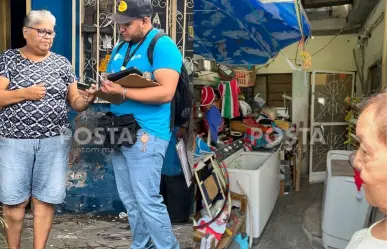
[(371, 160)]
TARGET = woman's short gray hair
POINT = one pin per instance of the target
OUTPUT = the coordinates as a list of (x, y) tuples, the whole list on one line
[(38, 16)]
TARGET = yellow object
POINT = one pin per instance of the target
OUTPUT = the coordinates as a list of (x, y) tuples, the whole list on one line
[(104, 62), (191, 31), (306, 59), (282, 124), (228, 231), (122, 6), (305, 56), (238, 126)]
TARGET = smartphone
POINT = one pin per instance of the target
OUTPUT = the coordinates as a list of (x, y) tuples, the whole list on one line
[(119, 75), (82, 86)]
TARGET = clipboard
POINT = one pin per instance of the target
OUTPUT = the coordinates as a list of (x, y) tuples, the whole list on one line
[(129, 81)]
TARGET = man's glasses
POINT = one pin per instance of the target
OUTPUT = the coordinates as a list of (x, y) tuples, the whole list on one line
[(44, 32)]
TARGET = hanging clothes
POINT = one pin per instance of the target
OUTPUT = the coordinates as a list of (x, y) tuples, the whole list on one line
[(214, 120), (230, 104)]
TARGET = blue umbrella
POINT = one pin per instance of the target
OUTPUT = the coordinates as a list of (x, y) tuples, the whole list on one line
[(241, 32)]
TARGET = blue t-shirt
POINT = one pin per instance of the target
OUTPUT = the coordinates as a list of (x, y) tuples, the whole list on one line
[(153, 118)]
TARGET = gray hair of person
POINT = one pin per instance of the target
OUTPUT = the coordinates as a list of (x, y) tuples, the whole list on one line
[(35, 17), (377, 104)]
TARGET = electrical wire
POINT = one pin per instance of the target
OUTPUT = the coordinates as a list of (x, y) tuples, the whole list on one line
[(321, 49)]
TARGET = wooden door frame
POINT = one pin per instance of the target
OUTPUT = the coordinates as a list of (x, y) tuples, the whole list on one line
[(28, 6), (5, 25), (5, 22)]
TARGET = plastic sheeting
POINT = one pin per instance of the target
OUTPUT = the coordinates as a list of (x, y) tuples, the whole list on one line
[(246, 31)]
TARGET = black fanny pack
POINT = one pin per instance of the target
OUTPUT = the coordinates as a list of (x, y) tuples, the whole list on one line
[(118, 130)]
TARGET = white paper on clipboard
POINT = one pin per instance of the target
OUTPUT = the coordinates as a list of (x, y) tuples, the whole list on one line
[(182, 153)]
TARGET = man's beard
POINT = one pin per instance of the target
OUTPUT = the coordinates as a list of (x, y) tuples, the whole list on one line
[(137, 37)]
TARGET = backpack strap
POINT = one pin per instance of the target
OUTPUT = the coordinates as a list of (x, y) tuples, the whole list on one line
[(151, 48), (122, 43)]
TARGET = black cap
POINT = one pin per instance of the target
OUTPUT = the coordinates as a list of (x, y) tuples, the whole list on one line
[(128, 10)]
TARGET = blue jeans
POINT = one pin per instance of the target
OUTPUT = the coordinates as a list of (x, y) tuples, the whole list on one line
[(33, 167), (138, 176)]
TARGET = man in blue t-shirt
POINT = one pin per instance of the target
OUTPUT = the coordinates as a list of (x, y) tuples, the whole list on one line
[(138, 168)]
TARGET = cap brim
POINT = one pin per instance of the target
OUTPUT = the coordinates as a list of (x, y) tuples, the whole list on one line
[(121, 19)]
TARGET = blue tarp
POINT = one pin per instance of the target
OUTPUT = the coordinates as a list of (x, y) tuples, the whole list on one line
[(246, 31)]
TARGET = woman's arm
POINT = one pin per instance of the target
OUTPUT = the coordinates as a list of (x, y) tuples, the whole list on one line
[(7, 98), (80, 100)]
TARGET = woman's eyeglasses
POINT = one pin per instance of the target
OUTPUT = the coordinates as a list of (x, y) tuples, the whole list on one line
[(44, 32), (352, 158)]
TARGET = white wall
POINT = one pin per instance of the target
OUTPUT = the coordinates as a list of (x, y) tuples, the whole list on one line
[(337, 56), (373, 46)]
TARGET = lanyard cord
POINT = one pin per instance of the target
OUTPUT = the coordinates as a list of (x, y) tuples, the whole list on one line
[(129, 55)]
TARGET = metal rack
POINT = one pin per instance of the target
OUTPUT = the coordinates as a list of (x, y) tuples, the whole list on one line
[(352, 140), (96, 34)]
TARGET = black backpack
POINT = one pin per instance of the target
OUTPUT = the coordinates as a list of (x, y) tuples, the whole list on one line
[(182, 102)]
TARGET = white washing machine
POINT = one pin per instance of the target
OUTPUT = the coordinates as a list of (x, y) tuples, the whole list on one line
[(342, 213)]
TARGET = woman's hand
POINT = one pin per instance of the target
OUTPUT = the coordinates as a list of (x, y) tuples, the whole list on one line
[(109, 87), (35, 92), (89, 95)]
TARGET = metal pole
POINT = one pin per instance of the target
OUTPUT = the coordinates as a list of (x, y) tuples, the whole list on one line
[(74, 28), (174, 20)]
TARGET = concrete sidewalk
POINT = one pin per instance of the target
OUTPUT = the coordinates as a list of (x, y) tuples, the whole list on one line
[(89, 232)]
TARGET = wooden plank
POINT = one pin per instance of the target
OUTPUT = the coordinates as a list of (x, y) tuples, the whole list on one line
[(242, 199), (279, 78), (261, 80), (277, 96), (5, 25), (226, 239), (28, 6), (260, 89), (280, 88), (276, 103), (294, 169)]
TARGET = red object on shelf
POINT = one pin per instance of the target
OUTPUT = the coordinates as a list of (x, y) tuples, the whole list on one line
[(252, 123)]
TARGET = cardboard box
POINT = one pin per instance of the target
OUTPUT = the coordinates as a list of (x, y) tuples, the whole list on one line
[(130, 81)]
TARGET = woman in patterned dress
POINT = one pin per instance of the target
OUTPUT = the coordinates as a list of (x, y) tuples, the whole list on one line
[(35, 86)]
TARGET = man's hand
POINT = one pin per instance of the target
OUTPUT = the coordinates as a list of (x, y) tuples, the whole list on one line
[(35, 92), (181, 132), (109, 87), (89, 95)]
